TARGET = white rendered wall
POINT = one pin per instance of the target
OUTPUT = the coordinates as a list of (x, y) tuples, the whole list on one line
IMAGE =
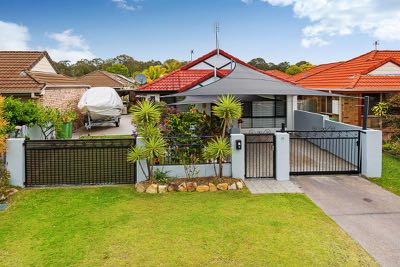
[(238, 156), (386, 69), (43, 66), (371, 151)]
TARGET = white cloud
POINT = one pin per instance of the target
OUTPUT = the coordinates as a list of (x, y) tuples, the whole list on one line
[(247, 2), (124, 4), (69, 47), (377, 18), (13, 36)]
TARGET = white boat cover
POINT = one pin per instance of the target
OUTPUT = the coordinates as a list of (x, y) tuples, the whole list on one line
[(101, 103)]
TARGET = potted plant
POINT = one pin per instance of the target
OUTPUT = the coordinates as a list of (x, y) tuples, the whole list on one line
[(67, 118)]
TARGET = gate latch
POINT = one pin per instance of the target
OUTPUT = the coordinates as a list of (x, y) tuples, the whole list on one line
[(238, 144)]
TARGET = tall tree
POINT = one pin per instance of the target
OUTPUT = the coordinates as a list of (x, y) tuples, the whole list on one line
[(118, 69), (172, 64)]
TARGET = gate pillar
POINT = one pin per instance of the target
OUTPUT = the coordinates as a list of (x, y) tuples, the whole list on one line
[(15, 161), (238, 155), (282, 158)]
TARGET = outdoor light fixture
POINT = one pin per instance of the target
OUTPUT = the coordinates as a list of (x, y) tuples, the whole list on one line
[(238, 144)]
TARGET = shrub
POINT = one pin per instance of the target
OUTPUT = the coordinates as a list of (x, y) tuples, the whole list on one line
[(161, 176)]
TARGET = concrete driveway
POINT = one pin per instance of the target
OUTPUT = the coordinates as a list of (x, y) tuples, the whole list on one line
[(125, 128), (368, 213)]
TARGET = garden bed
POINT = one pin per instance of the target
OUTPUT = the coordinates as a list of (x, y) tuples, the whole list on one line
[(201, 184)]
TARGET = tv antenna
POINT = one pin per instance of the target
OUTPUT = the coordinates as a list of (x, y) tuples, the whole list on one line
[(191, 54), (217, 37), (376, 44)]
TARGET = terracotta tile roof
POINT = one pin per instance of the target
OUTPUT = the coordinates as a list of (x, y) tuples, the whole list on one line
[(312, 71), (352, 75), (55, 80), (105, 78), (12, 63), (16, 77), (278, 74), (185, 78), (181, 80)]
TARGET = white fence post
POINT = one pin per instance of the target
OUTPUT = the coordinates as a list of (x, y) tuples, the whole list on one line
[(371, 153), (15, 161), (238, 155), (282, 152), (140, 176)]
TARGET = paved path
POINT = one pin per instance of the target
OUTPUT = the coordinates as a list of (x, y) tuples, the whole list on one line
[(367, 212), (265, 186), (125, 128)]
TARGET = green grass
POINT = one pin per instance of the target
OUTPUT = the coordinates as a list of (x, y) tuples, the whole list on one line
[(390, 174), (105, 136), (116, 226)]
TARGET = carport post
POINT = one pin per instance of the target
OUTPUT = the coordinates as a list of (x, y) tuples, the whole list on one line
[(282, 159), (15, 161)]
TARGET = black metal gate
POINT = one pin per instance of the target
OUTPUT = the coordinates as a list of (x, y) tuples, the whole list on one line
[(78, 162), (260, 156), (325, 152)]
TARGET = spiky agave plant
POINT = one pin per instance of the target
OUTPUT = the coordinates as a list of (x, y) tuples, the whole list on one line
[(227, 108), (218, 149)]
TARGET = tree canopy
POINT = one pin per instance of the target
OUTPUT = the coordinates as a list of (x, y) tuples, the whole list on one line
[(119, 69)]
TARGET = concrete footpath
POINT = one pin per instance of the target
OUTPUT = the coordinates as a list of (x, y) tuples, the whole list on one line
[(367, 212)]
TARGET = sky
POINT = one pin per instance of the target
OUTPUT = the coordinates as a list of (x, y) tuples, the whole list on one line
[(319, 31)]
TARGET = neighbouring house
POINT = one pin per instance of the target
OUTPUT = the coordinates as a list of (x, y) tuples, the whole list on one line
[(375, 74), (31, 75), (101, 78)]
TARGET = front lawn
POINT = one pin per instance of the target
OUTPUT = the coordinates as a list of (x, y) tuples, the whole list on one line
[(390, 174), (116, 226)]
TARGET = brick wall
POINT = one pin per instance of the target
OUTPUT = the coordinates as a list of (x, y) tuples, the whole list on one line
[(62, 98), (349, 109)]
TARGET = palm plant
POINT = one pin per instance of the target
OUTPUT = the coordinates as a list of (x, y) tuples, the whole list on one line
[(154, 72), (146, 116), (227, 108), (218, 149)]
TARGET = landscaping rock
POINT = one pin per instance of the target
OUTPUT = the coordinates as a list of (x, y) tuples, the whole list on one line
[(140, 187), (182, 187), (202, 188), (12, 191), (191, 186), (222, 186), (239, 185), (162, 188), (152, 189), (172, 188), (232, 187), (212, 187)]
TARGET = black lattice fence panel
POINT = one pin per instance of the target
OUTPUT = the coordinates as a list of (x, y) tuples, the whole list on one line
[(78, 162)]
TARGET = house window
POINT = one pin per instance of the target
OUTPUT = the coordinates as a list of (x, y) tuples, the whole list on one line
[(269, 113)]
